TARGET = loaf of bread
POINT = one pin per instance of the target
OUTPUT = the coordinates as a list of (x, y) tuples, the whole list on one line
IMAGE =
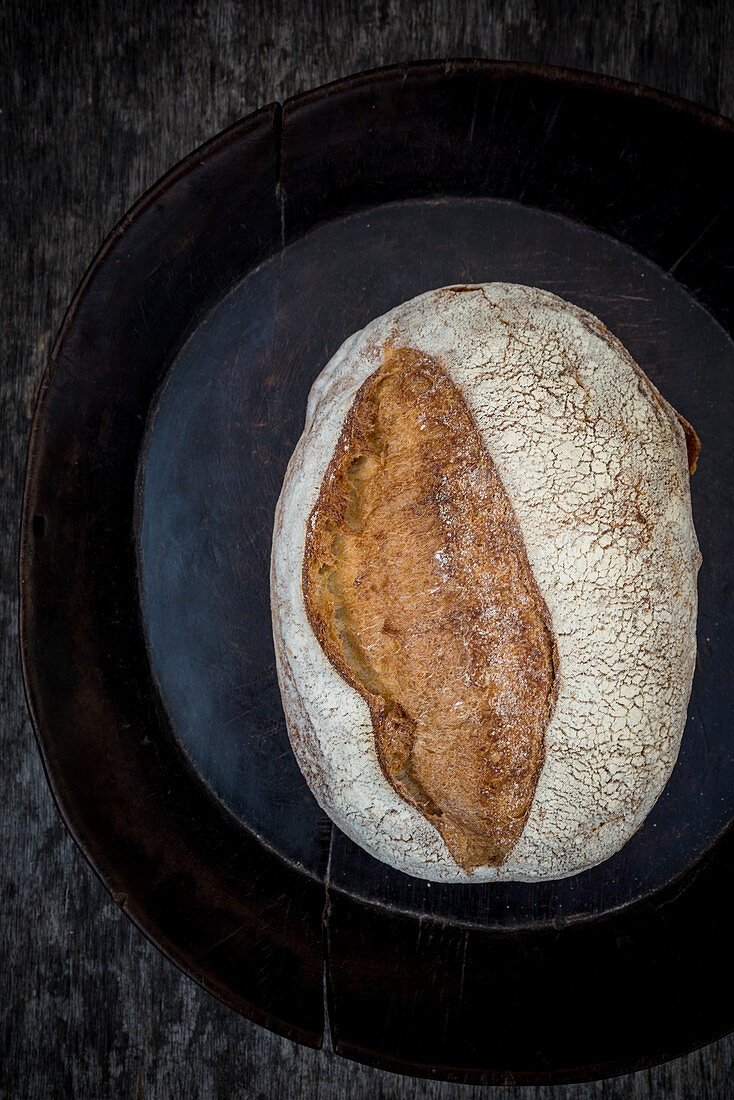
[(483, 587)]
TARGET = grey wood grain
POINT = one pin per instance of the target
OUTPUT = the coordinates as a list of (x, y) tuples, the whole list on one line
[(97, 101)]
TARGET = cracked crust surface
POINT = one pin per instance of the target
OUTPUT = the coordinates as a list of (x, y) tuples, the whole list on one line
[(594, 464)]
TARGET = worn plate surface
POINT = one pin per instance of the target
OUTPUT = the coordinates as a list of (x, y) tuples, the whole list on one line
[(174, 397)]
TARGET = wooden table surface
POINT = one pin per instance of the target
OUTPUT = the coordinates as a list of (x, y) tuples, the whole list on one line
[(98, 100)]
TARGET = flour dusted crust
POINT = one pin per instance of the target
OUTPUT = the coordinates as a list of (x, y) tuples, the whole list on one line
[(594, 462)]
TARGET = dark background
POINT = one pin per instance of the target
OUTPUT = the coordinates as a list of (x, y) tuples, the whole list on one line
[(97, 101)]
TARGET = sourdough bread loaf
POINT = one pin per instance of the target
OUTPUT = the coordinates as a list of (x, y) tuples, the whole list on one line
[(483, 587)]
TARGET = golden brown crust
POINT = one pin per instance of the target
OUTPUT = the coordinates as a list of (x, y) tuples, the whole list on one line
[(417, 586), (693, 443)]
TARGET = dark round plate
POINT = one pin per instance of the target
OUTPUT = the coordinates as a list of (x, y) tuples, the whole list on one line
[(174, 396)]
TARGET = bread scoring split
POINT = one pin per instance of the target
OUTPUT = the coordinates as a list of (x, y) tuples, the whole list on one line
[(484, 588), (418, 589)]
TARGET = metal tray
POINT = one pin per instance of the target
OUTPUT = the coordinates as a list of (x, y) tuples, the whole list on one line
[(173, 398)]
